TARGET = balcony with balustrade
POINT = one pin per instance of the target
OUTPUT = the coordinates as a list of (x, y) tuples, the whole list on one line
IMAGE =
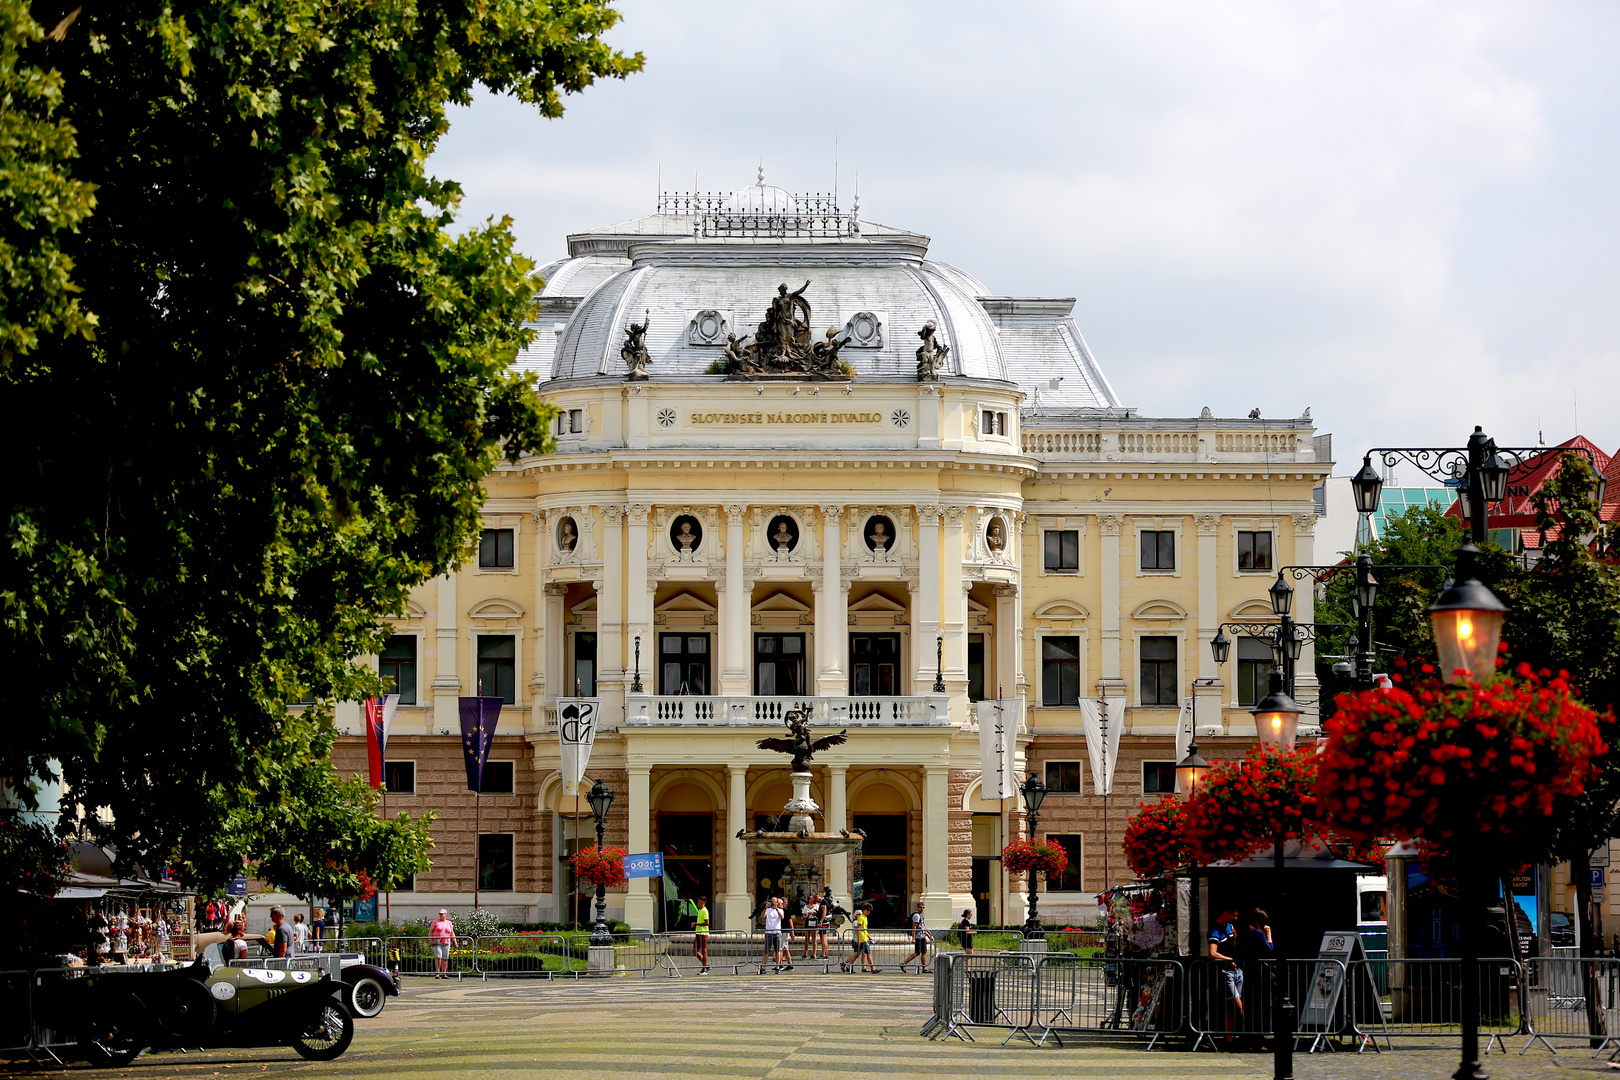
[(682, 710), (1088, 436)]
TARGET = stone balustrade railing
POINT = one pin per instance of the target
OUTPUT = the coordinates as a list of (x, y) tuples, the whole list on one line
[(659, 710), (1214, 442)]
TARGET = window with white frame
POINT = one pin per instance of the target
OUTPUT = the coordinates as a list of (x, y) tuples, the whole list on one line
[(1158, 778), (1060, 670), (1254, 549), (992, 422), (1158, 549), (497, 549), (1062, 551), (1159, 681), (1063, 777)]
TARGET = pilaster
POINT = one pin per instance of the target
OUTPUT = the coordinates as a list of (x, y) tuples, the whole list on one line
[(734, 608), (926, 597), (638, 900), (1109, 555), (446, 684), (737, 902)]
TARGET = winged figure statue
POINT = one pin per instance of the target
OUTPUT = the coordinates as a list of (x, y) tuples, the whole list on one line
[(799, 743)]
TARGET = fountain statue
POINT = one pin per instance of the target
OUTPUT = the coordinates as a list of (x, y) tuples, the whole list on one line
[(800, 843)]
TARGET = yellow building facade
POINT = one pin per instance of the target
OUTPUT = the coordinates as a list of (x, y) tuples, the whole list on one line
[(968, 508)]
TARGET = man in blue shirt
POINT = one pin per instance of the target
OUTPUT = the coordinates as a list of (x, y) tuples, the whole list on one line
[(1222, 938)]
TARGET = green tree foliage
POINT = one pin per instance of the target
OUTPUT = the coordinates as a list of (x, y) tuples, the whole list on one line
[(251, 396)]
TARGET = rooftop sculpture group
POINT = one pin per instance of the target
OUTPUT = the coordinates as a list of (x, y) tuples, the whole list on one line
[(783, 345)]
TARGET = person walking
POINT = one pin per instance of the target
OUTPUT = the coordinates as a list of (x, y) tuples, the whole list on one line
[(863, 943), (280, 937), (233, 947), (441, 935), (1222, 935), (300, 934), (318, 923), (700, 934), (919, 941), (964, 931)]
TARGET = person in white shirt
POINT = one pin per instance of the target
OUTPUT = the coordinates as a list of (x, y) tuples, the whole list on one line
[(300, 934), (775, 908), (919, 941)]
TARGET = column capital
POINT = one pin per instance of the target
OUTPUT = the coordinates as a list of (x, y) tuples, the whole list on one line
[(733, 767), (1208, 524), (1304, 524), (736, 513), (637, 513), (830, 511), (838, 767), (556, 588), (927, 514), (954, 516), (1110, 524), (613, 515), (538, 516), (1007, 590)]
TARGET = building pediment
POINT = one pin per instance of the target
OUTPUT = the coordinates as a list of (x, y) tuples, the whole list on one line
[(1067, 610), (1252, 608), (496, 607), (1160, 610)]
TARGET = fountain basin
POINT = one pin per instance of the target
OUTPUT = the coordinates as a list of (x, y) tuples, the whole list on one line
[(792, 846)]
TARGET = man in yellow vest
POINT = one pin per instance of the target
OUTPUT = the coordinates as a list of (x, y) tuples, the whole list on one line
[(700, 934)]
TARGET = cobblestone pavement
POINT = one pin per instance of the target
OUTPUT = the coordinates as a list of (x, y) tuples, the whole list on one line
[(814, 1027)]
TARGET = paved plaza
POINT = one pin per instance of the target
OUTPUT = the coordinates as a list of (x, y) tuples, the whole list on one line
[(815, 1027)]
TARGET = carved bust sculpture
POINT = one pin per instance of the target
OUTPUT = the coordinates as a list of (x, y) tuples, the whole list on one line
[(569, 538), (879, 536), (995, 537), (685, 537), (782, 538)]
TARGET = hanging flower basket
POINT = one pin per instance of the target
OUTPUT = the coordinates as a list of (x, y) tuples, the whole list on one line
[(1156, 838), (1039, 856), (1247, 805), (601, 866), (1485, 766)]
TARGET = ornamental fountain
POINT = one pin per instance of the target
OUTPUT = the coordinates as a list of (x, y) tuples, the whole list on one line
[(800, 843)]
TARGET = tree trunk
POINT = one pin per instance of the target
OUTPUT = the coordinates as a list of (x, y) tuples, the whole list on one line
[(1580, 872)]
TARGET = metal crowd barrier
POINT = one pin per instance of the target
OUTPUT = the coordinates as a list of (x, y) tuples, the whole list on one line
[(545, 956), (414, 956), (1084, 943), (1423, 996), (16, 1013), (985, 990), (370, 949), (1568, 997), (729, 950), (330, 963), (1077, 993)]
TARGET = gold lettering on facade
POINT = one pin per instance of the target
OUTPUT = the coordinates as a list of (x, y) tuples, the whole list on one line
[(826, 418)]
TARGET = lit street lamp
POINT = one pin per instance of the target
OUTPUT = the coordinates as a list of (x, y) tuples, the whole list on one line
[(600, 798)]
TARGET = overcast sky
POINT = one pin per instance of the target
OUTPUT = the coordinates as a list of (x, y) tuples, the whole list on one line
[(1401, 215)]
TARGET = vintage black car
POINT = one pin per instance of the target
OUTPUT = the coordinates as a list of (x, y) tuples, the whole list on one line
[(373, 986), (112, 1016)]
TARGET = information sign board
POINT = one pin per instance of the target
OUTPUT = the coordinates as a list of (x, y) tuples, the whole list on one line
[(650, 864)]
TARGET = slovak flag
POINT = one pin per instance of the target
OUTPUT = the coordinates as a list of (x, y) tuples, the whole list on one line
[(379, 718)]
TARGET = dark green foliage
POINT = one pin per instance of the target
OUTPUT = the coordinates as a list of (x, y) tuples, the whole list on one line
[(250, 397)]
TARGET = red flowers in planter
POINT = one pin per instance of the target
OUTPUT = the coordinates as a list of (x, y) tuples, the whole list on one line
[(1023, 856), (1156, 838), (1248, 805), (1458, 763), (601, 866)]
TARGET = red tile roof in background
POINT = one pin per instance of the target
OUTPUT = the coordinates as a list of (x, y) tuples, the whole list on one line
[(1515, 511)]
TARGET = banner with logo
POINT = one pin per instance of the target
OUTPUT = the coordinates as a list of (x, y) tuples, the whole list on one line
[(1103, 718), (379, 713), (998, 742), (479, 715), (576, 732)]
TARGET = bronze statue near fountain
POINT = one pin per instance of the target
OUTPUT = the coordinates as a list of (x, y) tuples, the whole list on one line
[(798, 743)]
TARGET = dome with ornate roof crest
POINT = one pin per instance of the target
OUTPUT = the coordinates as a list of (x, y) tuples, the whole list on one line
[(704, 268)]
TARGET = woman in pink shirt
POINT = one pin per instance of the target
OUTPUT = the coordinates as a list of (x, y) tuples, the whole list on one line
[(441, 934)]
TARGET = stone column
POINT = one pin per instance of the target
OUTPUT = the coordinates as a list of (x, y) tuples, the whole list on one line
[(832, 614), (446, 686), (838, 818), (953, 592), (638, 594), (1209, 620), (734, 609), (1110, 556), (1305, 683), (936, 827), (638, 901), (559, 684), (738, 901), (1006, 665), (928, 614), (610, 613), (537, 682)]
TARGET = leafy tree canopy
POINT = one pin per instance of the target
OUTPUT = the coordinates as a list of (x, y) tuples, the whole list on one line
[(253, 384)]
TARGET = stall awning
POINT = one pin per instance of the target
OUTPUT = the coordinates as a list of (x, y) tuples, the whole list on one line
[(74, 892)]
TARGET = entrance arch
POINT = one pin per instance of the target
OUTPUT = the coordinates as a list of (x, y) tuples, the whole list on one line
[(882, 877), (684, 825)]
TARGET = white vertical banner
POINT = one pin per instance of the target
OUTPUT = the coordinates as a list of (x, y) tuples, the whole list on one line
[(998, 743), (576, 732), (1103, 719), (1184, 729)]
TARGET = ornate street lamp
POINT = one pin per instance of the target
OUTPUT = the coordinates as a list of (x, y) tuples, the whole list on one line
[(1467, 621), (1034, 792), (1365, 486), (600, 798), (1220, 646), (1276, 716), (1282, 595)]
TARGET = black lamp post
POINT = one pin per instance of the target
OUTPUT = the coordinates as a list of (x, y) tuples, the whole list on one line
[(1276, 721), (1034, 792), (939, 664), (635, 681), (1191, 772), (600, 798)]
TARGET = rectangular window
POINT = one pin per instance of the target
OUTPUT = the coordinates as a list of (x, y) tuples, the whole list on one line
[(397, 666), (1060, 671), (406, 884), (1158, 778), (400, 777), (495, 549), (1254, 550), (1158, 686), (1074, 876), (495, 861), (1063, 777), (497, 667), (500, 778), (1254, 663), (576, 421), (683, 664), (1062, 551), (975, 667), (992, 422), (874, 665), (1158, 549), (585, 664), (778, 664)]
